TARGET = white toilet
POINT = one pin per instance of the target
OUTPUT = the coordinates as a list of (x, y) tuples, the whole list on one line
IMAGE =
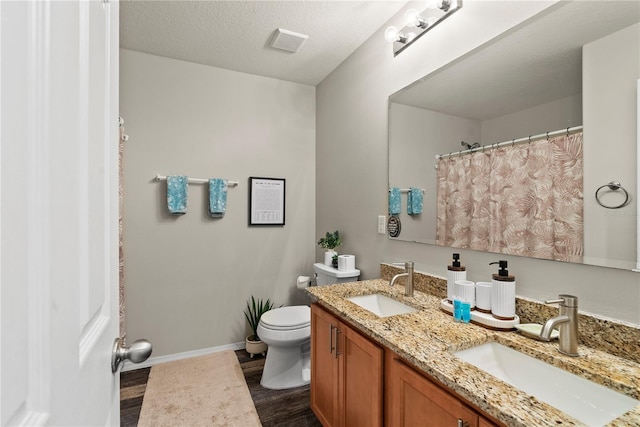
[(287, 332)]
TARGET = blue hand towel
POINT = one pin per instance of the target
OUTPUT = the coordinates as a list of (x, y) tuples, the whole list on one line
[(177, 194), (394, 201), (414, 201), (217, 197)]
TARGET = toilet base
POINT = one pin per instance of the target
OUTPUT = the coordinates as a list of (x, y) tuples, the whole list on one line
[(286, 367)]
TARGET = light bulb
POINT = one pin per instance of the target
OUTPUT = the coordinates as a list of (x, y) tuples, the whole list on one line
[(391, 34), (411, 17)]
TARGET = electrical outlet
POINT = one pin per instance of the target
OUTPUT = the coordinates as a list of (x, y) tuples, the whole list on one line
[(382, 224)]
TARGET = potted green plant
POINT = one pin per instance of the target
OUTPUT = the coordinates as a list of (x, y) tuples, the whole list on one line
[(253, 312), (329, 242)]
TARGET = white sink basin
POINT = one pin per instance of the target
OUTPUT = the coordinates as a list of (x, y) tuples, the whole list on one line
[(586, 401), (381, 305)]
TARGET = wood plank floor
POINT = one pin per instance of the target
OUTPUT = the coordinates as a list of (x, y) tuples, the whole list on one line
[(275, 407)]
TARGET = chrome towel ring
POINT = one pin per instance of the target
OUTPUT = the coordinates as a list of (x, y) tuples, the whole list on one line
[(613, 186)]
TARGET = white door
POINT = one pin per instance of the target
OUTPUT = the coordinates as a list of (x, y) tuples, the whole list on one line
[(58, 212)]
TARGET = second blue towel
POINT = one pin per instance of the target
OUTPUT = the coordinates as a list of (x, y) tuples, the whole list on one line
[(217, 197), (414, 201)]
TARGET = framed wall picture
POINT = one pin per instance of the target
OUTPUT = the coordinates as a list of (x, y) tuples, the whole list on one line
[(266, 201)]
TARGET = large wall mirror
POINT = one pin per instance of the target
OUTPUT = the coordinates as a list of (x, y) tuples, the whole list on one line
[(575, 64)]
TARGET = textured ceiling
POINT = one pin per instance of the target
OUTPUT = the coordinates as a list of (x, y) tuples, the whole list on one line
[(236, 34)]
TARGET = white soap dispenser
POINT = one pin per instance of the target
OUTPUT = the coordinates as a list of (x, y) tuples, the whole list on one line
[(503, 293), (454, 272)]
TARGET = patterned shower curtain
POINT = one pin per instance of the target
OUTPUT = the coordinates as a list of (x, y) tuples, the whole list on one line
[(123, 330), (518, 200)]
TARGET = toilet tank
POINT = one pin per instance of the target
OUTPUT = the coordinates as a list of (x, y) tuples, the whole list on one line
[(327, 275)]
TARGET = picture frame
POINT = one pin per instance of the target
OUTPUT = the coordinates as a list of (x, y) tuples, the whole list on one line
[(267, 197)]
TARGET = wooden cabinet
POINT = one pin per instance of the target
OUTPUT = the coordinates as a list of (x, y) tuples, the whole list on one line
[(362, 376), (483, 422), (346, 373), (324, 367), (351, 375), (416, 401)]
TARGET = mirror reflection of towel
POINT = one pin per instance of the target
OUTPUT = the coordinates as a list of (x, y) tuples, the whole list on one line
[(177, 194), (394, 201), (217, 197), (414, 201)]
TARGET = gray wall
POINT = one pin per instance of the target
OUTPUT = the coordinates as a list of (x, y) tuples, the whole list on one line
[(556, 115), (352, 168), (611, 70), (188, 277)]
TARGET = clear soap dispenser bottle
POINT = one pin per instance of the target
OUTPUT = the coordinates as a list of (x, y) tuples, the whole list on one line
[(455, 271), (503, 293)]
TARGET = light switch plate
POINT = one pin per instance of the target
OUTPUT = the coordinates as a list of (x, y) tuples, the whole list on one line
[(382, 224)]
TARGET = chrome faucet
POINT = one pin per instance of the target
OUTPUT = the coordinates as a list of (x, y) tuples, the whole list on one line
[(567, 324), (408, 286)]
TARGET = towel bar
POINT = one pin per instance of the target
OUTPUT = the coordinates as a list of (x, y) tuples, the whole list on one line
[(406, 190), (195, 180)]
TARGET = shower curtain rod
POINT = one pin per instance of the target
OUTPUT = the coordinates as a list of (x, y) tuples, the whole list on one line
[(529, 138)]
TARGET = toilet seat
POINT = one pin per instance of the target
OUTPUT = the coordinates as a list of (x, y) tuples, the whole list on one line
[(287, 318)]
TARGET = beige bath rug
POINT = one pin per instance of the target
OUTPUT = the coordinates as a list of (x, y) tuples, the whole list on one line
[(202, 391)]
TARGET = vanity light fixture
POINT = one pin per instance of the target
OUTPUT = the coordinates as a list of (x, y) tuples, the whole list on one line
[(417, 23)]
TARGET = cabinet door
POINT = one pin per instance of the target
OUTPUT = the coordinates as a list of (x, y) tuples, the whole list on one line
[(483, 422), (361, 371), (324, 366), (416, 401)]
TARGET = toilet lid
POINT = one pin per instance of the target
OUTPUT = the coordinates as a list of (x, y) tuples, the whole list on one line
[(293, 317)]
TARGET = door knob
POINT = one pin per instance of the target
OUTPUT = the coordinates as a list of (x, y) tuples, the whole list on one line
[(137, 353)]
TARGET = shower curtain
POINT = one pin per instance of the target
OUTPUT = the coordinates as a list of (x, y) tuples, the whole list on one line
[(519, 200), (122, 323)]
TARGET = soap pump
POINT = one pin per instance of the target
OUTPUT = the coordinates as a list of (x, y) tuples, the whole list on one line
[(455, 272), (503, 293)]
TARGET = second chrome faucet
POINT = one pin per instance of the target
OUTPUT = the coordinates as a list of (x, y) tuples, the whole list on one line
[(567, 324), (408, 267)]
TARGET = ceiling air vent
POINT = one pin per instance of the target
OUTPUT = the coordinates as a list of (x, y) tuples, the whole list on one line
[(288, 40)]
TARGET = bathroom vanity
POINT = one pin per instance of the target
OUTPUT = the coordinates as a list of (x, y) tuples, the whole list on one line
[(357, 382), (402, 370)]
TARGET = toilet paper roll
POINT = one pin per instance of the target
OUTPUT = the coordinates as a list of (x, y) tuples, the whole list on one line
[(346, 262), (302, 282)]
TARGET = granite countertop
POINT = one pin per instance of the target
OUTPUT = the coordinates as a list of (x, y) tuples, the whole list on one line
[(428, 337)]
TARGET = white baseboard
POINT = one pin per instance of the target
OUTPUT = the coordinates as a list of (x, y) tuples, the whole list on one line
[(128, 366)]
